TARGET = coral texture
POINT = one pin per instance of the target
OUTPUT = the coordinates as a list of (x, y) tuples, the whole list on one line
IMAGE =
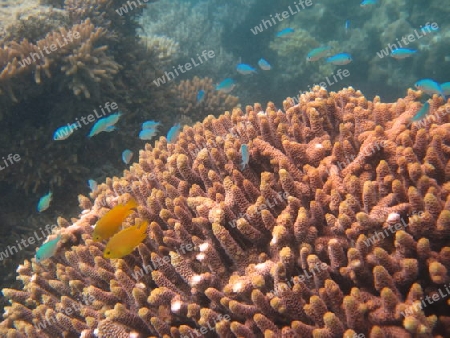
[(284, 248), (213, 102)]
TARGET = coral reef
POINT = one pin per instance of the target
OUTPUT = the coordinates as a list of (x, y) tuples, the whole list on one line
[(212, 103), (340, 225), (198, 26), (67, 62)]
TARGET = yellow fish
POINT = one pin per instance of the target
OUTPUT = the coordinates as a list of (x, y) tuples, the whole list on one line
[(110, 223), (125, 241)]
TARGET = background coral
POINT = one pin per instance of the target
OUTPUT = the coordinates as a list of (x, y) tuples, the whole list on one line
[(233, 249), (213, 101)]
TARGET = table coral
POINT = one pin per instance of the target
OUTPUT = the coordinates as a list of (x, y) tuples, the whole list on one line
[(295, 245)]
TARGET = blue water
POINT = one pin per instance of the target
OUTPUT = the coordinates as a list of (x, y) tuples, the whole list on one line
[(372, 28)]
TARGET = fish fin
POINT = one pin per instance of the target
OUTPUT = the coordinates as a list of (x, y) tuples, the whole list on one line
[(131, 204)]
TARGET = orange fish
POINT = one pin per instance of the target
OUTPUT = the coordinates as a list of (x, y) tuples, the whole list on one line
[(110, 223), (125, 241)]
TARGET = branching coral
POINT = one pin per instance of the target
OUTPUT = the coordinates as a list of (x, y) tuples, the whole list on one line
[(315, 238), (213, 101)]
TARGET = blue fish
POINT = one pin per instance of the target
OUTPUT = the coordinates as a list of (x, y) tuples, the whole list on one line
[(245, 69), (245, 156), (44, 202), (93, 185), (105, 124), (421, 113), (147, 134), (285, 32), (446, 88), (430, 87), (226, 85), (150, 124), (340, 59), (173, 133), (402, 53), (47, 250), (64, 132), (200, 95), (347, 26), (318, 53), (264, 65), (368, 2), (127, 154)]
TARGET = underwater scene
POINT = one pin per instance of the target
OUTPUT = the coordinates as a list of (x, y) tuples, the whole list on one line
[(232, 169)]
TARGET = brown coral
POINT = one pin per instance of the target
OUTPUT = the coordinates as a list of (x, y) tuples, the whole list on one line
[(245, 253), (213, 101)]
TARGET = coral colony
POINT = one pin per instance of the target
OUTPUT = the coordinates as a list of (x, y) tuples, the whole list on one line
[(357, 252), (53, 47)]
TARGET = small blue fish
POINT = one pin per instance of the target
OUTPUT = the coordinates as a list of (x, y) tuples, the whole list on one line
[(402, 53), (446, 88), (64, 132), (150, 124), (47, 250), (285, 32), (226, 85), (245, 156), (245, 69), (126, 156), (200, 95), (368, 2), (264, 65), (318, 53), (347, 26), (44, 202), (430, 87), (173, 133), (105, 124), (340, 59), (421, 113), (147, 134), (93, 185)]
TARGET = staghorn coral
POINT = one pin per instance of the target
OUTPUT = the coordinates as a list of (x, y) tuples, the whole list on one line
[(214, 101), (285, 248)]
